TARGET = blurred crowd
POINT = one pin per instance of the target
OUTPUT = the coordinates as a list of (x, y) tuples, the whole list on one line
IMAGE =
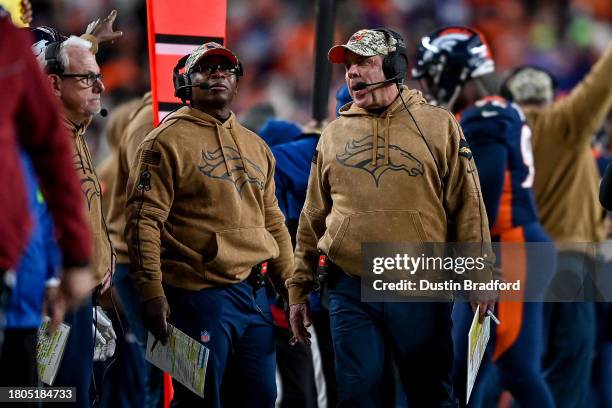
[(275, 40)]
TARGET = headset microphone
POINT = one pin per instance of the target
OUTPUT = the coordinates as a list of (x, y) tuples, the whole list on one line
[(103, 112), (201, 85), (362, 85)]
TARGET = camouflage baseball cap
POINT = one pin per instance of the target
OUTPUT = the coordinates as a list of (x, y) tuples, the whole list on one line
[(364, 42), (206, 50)]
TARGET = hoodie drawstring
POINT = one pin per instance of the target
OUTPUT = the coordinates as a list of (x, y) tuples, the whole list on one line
[(374, 161), (246, 171), (374, 141), (222, 151), (387, 123)]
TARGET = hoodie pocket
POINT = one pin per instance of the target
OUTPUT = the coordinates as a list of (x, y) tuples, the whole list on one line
[(392, 226), (238, 250)]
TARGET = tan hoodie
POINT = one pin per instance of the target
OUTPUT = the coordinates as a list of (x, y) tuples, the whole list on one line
[(201, 207), (90, 186), (115, 130), (388, 188), (566, 183), (140, 124)]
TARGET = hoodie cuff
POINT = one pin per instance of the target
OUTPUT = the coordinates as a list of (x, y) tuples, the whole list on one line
[(298, 294), (150, 289)]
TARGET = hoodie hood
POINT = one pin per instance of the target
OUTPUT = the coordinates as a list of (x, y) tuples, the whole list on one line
[(412, 98)]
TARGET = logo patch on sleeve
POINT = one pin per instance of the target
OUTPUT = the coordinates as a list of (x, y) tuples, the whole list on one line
[(151, 157), (144, 182), (464, 149)]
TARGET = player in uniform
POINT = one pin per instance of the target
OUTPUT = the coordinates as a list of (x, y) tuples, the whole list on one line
[(450, 61)]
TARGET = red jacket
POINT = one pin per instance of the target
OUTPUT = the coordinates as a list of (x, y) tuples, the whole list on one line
[(30, 119)]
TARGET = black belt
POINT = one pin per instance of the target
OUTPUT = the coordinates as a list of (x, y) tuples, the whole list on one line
[(258, 275)]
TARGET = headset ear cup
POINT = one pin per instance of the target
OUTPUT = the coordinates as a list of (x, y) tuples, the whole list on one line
[(54, 65), (181, 80), (188, 91)]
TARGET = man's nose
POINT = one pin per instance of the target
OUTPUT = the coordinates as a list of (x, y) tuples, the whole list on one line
[(352, 71), (218, 71), (99, 86)]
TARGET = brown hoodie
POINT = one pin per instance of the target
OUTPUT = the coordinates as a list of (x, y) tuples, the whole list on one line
[(140, 124), (90, 186), (201, 207), (566, 181), (388, 188), (115, 130)]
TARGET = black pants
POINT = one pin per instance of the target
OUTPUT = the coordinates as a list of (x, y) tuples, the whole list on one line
[(18, 358), (18, 362)]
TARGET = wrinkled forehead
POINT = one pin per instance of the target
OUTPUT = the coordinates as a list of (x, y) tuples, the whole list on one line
[(82, 60)]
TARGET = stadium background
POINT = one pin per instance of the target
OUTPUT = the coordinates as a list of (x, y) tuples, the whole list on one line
[(275, 41)]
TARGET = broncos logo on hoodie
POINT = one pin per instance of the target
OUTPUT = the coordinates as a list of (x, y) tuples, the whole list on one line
[(89, 183), (360, 155), (226, 163)]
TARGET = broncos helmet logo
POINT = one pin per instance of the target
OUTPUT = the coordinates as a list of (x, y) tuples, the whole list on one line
[(358, 154), (214, 166)]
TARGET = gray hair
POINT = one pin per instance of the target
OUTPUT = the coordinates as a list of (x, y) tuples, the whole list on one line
[(40, 48)]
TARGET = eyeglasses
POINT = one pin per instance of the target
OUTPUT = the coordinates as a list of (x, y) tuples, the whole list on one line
[(89, 79), (208, 69)]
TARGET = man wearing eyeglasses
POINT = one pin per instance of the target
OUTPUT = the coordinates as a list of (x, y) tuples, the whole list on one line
[(74, 77), (202, 220)]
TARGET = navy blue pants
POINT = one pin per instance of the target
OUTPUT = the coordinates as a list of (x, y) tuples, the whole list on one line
[(76, 367), (237, 327), (420, 339), (570, 334), (130, 381), (515, 347), (570, 337)]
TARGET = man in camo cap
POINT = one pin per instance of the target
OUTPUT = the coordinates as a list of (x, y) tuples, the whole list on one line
[(203, 224), (375, 177)]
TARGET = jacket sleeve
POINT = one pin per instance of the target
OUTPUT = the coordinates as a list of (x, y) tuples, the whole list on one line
[(311, 228), (281, 267), (150, 194), (43, 136), (467, 217), (579, 114)]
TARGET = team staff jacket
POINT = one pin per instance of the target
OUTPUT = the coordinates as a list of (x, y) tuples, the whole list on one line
[(374, 179), (566, 182), (141, 123), (201, 208), (90, 187), (500, 140)]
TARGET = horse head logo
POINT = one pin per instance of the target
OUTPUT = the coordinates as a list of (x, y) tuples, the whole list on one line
[(358, 154), (231, 167)]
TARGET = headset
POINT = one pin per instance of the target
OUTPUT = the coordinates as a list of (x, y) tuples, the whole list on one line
[(395, 63), (182, 82), (52, 58)]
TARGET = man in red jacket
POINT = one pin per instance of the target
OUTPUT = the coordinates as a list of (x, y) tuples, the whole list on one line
[(30, 119)]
